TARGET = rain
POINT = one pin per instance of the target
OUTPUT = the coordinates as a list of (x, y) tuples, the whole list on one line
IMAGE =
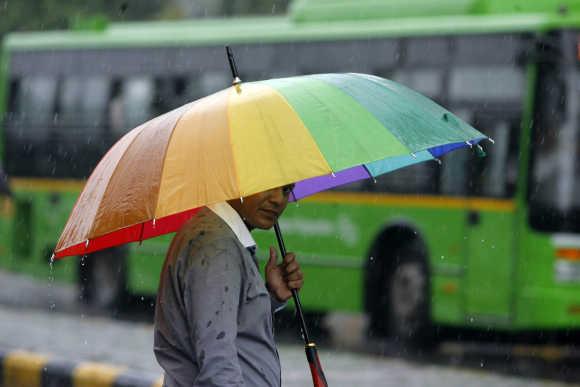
[(429, 151)]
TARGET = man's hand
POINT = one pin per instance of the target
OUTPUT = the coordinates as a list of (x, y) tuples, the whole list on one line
[(280, 278)]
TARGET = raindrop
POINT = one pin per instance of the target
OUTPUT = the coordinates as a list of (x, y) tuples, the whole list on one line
[(221, 335)]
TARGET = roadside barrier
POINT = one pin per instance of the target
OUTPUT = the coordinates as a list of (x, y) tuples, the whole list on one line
[(29, 369)]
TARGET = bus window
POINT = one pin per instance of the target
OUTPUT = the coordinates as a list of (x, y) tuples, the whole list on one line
[(80, 128), (555, 177), (416, 179), (454, 176), (421, 52), (171, 93), (489, 83), (35, 107), (28, 129), (132, 106), (428, 81), (83, 106), (211, 82), (495, 174), (453, 179)]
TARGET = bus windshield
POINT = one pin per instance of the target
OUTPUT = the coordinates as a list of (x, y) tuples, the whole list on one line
[(555, 175)]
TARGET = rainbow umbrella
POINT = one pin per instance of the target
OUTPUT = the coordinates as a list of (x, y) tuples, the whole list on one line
[(319, 131)]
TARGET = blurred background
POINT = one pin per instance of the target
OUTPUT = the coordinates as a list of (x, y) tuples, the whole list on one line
[(461, 272)]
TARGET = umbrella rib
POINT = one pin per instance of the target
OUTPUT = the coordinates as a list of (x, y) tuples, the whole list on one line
[(185, 108), (119, 162), (77, 203), (229, 129)]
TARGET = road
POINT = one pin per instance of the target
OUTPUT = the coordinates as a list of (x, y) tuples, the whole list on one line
[(45, 318)]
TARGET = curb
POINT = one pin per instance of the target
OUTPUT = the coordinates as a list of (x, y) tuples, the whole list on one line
[(29, 369)]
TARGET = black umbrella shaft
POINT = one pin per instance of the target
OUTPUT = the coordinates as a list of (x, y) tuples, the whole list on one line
[(295, 295)]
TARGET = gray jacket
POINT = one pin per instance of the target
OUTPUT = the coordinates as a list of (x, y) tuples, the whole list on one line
[(213, 318)]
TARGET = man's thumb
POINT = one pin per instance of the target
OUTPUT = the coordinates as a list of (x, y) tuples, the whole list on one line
[(273, 256)]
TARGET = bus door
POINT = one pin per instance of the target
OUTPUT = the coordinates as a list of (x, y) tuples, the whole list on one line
[(490, 224), (486, 87)]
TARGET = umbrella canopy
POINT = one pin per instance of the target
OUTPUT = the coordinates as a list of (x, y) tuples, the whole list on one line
[(318, 131)]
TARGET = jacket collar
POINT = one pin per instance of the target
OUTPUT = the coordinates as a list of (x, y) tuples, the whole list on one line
[(234, 221)]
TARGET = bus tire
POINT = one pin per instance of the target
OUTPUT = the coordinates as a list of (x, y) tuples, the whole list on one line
[(404, 303), (102, 279)]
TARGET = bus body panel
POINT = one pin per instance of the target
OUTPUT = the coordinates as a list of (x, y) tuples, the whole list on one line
[(488, 267)]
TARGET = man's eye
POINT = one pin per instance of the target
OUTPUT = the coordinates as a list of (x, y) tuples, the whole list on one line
[(287, 189)]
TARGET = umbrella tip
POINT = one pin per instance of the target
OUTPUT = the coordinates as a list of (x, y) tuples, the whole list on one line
[(232, 61), (479, 151)]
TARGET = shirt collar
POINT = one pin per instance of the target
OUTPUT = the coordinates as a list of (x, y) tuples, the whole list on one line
[(234, 221)]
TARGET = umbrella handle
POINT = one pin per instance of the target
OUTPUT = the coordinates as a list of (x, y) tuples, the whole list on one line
[(318, 378)]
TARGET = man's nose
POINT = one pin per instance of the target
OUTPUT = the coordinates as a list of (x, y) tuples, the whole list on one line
[(277, 196)]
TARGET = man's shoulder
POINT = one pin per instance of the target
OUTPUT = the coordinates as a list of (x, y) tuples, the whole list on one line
[(206, 230)]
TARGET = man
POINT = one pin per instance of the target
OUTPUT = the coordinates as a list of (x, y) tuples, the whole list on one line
[(213, 319)]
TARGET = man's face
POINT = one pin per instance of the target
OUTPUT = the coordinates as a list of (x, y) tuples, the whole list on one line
[(263, 209)]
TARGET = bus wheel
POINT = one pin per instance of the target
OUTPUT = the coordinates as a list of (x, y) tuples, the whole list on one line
[(405, 306), (102, 279)]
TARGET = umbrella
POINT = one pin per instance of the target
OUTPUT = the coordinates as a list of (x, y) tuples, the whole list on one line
[(318, 131)]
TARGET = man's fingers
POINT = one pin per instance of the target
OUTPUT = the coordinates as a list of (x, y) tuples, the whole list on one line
[(290, 257), (291, 268), (273, 256), (295, 284)]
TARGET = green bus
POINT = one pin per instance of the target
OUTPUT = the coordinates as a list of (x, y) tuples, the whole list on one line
[(472, 242)]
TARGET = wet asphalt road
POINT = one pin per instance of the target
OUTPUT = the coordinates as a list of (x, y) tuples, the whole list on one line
[(46, 318)]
